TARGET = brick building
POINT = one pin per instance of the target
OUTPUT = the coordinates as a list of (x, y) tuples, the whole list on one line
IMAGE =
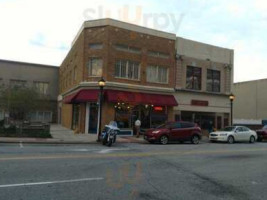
[(138, 65), (147, 74)]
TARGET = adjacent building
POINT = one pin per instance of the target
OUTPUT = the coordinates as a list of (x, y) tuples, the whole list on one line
[(204, 78), (150, 75), (43, 78), (250, 107)]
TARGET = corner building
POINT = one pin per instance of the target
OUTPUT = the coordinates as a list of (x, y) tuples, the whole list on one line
[(139, 67)]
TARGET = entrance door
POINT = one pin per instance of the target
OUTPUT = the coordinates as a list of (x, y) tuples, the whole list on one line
[(93, 117)]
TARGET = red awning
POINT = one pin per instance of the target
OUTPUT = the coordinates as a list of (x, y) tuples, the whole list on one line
[(87, 96), (115, 96), (82, 96), (68, 99)]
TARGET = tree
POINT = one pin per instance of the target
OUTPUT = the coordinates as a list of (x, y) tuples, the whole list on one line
[(20, 101)]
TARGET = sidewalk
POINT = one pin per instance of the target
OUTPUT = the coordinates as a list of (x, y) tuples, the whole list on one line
[(62, 135)]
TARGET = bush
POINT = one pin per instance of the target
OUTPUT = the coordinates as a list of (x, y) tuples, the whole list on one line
[(12, 131)]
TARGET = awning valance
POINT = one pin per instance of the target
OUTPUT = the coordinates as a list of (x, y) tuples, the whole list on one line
[(115, 96), (82, 96)]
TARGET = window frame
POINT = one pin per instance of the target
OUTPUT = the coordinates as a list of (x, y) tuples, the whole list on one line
[(127, 48), (12, 81), (96, 46), (159, 82), (38, 88), (213, 80), (89, 66), (127, 65), (158, 54), (193, 68)]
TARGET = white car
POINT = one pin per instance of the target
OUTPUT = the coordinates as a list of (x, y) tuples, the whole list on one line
[(233, 134)]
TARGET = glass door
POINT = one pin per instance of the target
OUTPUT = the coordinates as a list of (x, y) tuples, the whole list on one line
[(93, 117)]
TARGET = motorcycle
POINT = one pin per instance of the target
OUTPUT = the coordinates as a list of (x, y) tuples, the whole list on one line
[(109, 134)]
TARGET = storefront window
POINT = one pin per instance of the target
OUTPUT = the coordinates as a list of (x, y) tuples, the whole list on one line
[(123, 118), (149, 115), (158, 116)]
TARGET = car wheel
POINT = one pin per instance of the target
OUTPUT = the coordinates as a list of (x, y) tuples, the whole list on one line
[(195, 139), (230, 140), (163, 139), (252, 139)]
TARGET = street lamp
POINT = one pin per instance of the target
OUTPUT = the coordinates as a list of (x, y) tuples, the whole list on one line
[(231, 98), (101, 84)]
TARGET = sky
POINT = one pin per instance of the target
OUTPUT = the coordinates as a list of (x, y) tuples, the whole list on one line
[(42, 31)]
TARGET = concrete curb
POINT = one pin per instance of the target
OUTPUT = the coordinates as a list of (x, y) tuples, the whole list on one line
[(54, 141)]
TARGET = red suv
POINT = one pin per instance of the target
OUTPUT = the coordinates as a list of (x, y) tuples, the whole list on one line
[(174, 131), (262, 134)]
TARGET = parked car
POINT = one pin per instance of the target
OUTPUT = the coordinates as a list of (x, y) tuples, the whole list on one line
[(262, 133), (174, 131), (233, 134)]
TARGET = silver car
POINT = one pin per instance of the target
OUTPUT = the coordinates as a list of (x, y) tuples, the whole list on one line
[(233, 134)]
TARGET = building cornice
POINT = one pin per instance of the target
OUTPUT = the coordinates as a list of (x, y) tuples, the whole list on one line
[(124, 25), (119, 86)]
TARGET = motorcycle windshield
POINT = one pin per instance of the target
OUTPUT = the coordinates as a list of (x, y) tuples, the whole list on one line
[(113, 123)]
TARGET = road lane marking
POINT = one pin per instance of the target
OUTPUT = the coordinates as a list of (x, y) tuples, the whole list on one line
[(20, 144), (100, 150), (51, 182), (124, 155), (104, 151)]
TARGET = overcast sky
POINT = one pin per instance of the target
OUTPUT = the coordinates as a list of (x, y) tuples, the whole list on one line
[(42, 31)]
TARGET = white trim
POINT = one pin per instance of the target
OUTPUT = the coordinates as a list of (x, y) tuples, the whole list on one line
[(116, 85), (87, 115)]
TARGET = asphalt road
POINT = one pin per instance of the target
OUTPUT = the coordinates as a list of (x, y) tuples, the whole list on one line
[(133, 171)]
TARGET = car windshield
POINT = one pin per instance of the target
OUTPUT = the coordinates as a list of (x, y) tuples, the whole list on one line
[(265, 127), (229, 128), (167, 125)]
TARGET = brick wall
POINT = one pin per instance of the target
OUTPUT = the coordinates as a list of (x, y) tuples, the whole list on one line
[(74, 61), (66, 118)]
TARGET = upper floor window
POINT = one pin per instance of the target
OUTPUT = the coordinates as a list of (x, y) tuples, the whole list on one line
[(41, 87), (158, 54), (127, 69), (122, 47), (213, 80), (193, 78), (95, 67), (96, 46), (157, 74), (17, 83)]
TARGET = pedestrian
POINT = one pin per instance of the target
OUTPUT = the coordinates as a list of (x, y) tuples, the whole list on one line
[(210, 127), (137, 127)]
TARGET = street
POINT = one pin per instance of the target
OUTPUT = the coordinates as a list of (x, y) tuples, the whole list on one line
[(133, 171)]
